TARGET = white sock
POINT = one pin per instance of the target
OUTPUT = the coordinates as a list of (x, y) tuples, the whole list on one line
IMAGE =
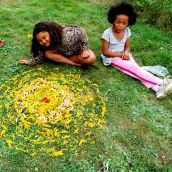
[(156, 87), (162, 81)]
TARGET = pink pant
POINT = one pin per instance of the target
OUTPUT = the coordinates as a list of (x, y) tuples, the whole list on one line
[(131, 68)]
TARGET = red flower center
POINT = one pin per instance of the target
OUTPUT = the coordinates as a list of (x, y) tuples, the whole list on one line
[(45, 100)]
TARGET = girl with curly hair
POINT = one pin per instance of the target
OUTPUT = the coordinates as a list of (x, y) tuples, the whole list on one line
[(68, 45), (116, 49)]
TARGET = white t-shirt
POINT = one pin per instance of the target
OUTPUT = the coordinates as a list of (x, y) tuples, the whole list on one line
[(115, 45)]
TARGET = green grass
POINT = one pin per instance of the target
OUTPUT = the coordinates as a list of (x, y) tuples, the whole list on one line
[(137, 136)]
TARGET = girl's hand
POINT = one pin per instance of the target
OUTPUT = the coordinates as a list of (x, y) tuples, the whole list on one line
[(125, 56), (77, 65), (24, 62), (85, 53)]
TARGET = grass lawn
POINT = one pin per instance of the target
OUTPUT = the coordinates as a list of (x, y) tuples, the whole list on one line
[(137, 134)]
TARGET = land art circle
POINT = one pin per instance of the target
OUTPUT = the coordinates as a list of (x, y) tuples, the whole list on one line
[(50, 113)]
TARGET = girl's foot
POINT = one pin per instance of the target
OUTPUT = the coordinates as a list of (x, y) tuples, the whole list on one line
[(1, 43), (164, 90)]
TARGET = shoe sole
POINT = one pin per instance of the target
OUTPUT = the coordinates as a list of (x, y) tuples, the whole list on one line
[(161, 97)]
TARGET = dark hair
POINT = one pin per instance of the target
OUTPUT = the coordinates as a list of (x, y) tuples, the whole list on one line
[(122, 8), (55, 32)]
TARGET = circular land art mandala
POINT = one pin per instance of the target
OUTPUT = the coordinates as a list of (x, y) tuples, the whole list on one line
[(49, 113)]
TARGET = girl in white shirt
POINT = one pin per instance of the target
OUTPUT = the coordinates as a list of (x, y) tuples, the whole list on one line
[(116, 49)]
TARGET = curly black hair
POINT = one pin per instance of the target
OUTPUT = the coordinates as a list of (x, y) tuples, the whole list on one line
[(122, 8), (55, 32)]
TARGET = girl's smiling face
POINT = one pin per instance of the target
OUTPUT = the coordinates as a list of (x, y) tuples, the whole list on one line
[(121, 22), (44, 38)]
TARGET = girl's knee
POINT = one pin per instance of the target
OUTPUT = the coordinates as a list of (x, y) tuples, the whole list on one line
[(91, 59)]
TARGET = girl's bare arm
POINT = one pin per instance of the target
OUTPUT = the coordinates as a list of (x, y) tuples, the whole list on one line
[(106, 52)]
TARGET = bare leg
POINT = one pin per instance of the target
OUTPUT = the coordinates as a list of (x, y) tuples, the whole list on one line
[(84, 60), (76, 60), (56, 57)]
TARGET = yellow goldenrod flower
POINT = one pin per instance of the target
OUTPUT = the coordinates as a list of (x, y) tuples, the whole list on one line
[(9, 143), (57, 153), (29, 36), (82, 141)]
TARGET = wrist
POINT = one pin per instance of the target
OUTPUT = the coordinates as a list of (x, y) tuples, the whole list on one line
[(126, 52)]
